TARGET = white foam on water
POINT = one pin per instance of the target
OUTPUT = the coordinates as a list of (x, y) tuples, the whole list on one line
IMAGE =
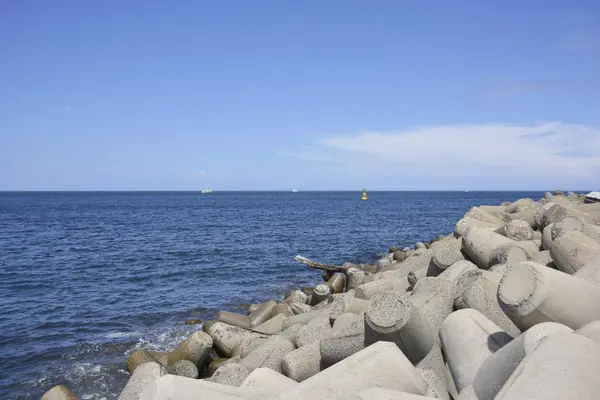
[(118, 335)]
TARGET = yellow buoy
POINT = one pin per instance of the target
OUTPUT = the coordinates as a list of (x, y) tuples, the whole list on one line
[(364, 196)]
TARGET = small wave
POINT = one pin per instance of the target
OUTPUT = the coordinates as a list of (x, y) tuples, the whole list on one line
[(118, 335)]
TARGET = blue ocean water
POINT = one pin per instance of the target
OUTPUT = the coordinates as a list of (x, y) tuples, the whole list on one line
[(87, 278)]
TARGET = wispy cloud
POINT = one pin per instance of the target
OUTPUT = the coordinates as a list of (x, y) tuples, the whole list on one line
[(199, 174), (68, 109), (537, 150)]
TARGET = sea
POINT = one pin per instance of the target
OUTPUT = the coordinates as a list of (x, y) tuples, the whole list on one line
[(86, 278)]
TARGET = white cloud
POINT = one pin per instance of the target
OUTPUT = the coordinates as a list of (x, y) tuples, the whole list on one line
[(199, 174), (539, 150)]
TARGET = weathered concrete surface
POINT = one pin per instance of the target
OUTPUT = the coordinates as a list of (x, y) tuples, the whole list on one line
[(516, 230), (233, 319), (230, 374), (272, 326), (344, 305), (267, 383), (303, 362), (434, 298), (379, 393), (354, 278), (572, 250), (392, 317), (480, 246), (343, 343), (171, 387), (445, 255), (590, 272), (195, 349), (481, 295), (468, 339), (269, 354), (461, 227), (297, 296), (381, 364), (142, 377), (262, 314), (227, 339), (543, 373), (530, 293), (497, 368)]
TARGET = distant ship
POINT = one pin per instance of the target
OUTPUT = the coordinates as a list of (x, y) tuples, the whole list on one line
[(364, 195), (466, 190), (295, 190), (206, 191)]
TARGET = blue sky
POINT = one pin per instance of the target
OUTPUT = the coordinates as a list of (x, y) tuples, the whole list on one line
[(274, 95)]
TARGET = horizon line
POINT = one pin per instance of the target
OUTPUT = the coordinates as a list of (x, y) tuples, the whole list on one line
[(273, 190)]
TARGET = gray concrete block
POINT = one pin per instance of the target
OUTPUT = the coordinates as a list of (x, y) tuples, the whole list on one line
[(304, 318), (497, 368), (590, 272), (435, 386), (142, 377), (481, 295), (380, 393), (59, 392), (509, 254), (572, 250), (478, 213), (227, 338), (468, 339), (591, 330), (229, 318), (282, 308), (344, 305), (269, 354), (480, 245), (273, 326), (172, 387), (354, 277), (544, 258), (547, 237), (562, 366), (314, 331), (381, 364), (299, 308), (461, 227), (320, 293), (342, 343), (518, 205), (368, 290), (394, 318), (446, 254), (267, 383), (297, 296), (337, 283), (262, 314), (531, 293), (516, 230), (434, 297), (303, 362), (230, 374)]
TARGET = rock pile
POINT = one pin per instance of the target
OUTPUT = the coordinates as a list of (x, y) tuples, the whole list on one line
[(507, 307)]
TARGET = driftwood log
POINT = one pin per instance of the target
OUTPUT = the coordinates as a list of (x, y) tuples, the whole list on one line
[(318, 265)]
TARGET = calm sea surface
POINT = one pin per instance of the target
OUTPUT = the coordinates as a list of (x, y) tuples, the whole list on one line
[(87, 278)]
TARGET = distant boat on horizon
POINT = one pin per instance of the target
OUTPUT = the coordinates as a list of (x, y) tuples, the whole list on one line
[(206, 191), (465, 190), (295, 190)]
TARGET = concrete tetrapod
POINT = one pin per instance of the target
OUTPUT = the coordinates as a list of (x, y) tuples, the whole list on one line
[(481, 294), (226, 338), (445, 255), (267, 383), (230, 374), (303, 362), (338, 345), (297, 296), (337, 282), (142, 376), (268, 354), (572, 250), (381, 364), (392, 317), (233, 319), (543, 373), (195, 349), (530, 293), (354, 278), (172, 387), (434, 298), (379, 393), (262, 314), (591, 330), (468, 339), (344, 305), (497, 368), (320, 293), (480, 245), (590, 272), (461, 227)]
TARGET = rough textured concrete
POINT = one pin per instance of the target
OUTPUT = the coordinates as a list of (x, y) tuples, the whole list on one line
[(455, 272), (509, 254), (591, 330), (435, 386), (195, 349), (138, 358), (184, 368), (480, 246), (481, 294), (303, 362), (445, 255), (355, 278), (269, 354), (468, 339), (547, 237), (530, 293), (304, 318), (338, 345), (381, 364), (231, 374), (461, 227), (368, 290), (297, 296), (545, 258), (517, 230), (434, 298), (518, 205), (320, 293), (282, 308), (394, 318), (478, 213), (572, 250), (344, 305), (262, 314), (272, 326), (299, 308), (233, 319), (543, 373), (267, 383), (379, 393), (590, 272), (314, 331), (567, 224), (173, 387), (142, 376), (337, 282), (434, 362), (227, 338), (497, 368)]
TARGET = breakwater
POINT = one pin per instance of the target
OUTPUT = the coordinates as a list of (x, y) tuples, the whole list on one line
[(482, 313)]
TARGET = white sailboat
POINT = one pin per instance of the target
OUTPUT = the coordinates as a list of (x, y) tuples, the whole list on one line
[(206, 191), (295, 190)]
